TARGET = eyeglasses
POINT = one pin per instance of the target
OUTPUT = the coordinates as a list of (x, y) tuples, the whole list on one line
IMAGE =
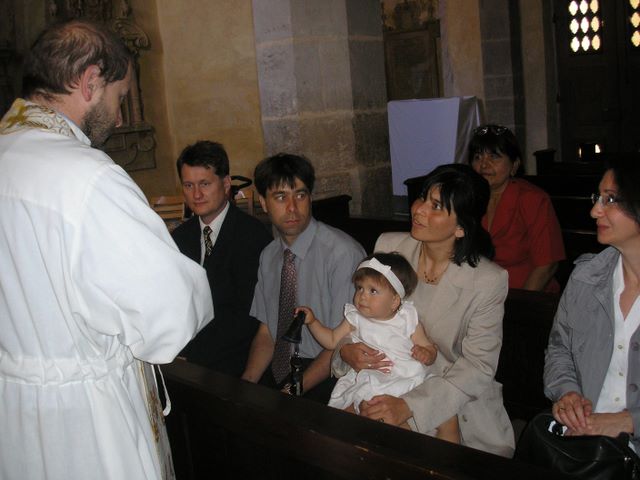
[(604, 200), (493, 129)]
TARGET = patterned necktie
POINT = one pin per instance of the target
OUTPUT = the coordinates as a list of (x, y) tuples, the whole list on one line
[(288, 286), (208, 246)]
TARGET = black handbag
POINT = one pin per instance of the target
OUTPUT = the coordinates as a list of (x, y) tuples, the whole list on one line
[(586, 457)]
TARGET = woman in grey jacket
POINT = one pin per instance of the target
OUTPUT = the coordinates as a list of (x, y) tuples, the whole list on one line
[(592, 366)]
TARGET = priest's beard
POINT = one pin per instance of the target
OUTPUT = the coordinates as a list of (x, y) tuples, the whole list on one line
[(98, 124)]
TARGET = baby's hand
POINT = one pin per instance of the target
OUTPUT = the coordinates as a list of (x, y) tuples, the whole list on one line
[(426, 355), (309, 317)]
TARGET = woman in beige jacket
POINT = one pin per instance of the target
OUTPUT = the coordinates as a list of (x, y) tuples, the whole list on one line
[(460, 301)]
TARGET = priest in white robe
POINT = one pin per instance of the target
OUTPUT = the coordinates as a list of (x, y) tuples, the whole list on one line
[(92, 287)]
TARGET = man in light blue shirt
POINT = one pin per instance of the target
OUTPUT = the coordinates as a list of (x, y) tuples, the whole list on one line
[(325, 259)]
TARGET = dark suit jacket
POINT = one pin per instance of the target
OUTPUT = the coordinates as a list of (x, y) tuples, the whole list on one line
[(223, 345)]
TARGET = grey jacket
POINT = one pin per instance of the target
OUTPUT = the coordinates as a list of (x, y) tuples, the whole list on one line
[(581, 339)]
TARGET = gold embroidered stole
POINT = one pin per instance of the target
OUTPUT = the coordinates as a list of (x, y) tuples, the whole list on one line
[(25, 115), (156, 418)]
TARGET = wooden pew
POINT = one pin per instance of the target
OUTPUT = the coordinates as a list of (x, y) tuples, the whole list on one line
[(528, 317), (367, 230), (571, 197), (332, 210), (576, 242), (239, 430), (221, 427)]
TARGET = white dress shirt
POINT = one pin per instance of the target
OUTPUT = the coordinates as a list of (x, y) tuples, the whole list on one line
[(613, 396)]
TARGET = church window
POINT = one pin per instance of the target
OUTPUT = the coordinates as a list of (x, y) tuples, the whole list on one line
[(634, 20), (585, 24)]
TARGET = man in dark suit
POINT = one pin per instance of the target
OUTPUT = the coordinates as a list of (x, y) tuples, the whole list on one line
[(227, 243)]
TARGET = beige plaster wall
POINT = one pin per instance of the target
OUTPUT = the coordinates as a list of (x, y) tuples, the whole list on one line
[(210, 77), (198, 81), (460, 46), (162, 179)]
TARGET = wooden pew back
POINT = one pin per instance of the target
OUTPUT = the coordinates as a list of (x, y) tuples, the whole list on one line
[(221, 427), (528, 318)]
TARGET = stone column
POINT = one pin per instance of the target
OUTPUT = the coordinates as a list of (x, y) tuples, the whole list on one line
[(502, 64), (322, 92)]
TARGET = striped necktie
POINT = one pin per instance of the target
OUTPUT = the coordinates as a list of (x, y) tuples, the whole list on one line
[(208, 245)]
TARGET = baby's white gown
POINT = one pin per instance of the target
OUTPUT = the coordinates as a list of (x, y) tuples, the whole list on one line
[(393, 337)]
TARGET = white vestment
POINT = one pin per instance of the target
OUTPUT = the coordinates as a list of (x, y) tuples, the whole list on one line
[(393, 337), (91, 287)]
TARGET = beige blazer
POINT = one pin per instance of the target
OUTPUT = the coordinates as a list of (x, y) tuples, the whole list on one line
[(464, 319)]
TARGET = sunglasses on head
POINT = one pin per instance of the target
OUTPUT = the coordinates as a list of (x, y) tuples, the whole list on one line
[(493, 129)]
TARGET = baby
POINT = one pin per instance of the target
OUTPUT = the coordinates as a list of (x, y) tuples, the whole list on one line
[(381, 319)]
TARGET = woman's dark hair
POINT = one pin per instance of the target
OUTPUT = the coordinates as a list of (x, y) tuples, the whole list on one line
[(466, 193), (283, 169), (399, 266), (626, 174), (62, 53), (495, 139)]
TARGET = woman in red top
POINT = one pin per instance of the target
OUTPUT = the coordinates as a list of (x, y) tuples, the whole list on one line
[(520, 218)]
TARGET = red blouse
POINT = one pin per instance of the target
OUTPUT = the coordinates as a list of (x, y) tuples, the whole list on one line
[(525, 232)]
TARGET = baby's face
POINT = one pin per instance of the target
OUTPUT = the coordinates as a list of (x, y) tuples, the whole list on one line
[(375, 300)]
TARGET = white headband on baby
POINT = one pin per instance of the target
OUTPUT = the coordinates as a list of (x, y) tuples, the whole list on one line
[(385, 270)]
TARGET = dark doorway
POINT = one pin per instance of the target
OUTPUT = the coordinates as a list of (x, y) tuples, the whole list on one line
[(598, 56)]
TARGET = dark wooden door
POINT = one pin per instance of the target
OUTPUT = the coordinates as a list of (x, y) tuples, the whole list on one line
[(598, 60)]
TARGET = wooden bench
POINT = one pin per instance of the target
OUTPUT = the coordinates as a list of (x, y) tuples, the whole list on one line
[(227, 428), (221, 427)]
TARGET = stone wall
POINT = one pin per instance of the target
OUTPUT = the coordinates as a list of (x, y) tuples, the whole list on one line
[(461, 48), (502, 64), (538, 68), (322, 86), (516, 78), (322, 91)]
